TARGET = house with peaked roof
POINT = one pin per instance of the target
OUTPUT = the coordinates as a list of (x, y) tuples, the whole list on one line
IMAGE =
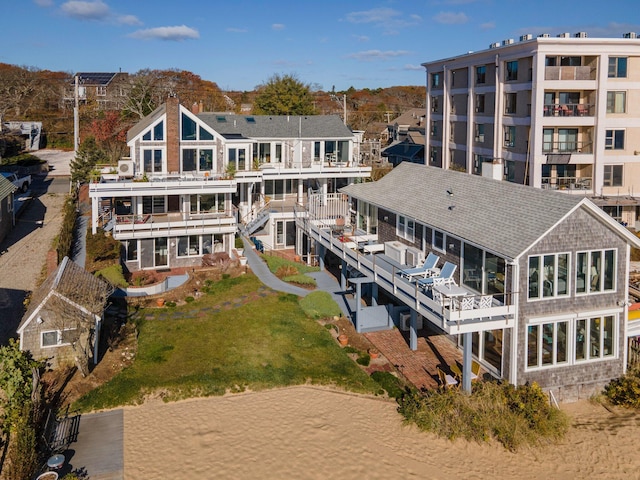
[(193, 179), (7, 217), (540, 284), (65, 315), (406, 134), (108, 89)]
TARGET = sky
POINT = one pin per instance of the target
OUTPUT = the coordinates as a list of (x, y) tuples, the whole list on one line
[(327, 44)]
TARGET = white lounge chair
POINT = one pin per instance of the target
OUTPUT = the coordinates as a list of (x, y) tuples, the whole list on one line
[(445, 277), (427, 269)]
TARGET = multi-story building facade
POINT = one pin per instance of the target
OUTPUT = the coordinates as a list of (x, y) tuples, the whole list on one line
[(193, 179), (109, 90), (559, 113)]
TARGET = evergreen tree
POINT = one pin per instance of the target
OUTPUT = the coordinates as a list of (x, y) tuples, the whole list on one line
[(87, 157)]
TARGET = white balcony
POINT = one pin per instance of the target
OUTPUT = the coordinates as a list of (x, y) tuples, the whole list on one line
[(172, 224)]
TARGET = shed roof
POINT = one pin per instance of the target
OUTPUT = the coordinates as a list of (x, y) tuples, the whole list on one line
[(503, 217), (6, 187)]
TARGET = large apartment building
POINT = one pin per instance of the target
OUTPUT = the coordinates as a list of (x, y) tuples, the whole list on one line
[(194, 179), (554, 112)]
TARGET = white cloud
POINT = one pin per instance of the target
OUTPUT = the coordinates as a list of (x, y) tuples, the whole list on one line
[(375, 15), (237, 30), (370, 55), (361, 38), (129, 20), (488, 25), (410, 67), (43, 3), (178, 33), (277, 26), (95, 10), (450, 18)]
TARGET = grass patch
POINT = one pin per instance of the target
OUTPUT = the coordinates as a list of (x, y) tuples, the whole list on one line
[(113, 274), (274, 263), (301, 279), (389, 383), (514, 416), (319, 304), (263, 344)]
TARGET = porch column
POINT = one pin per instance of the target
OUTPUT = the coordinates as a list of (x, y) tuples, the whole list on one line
[(358, 306), (466, 362), (94, 215), (413, 330), (374, 294), (300, 191), (343, 275)]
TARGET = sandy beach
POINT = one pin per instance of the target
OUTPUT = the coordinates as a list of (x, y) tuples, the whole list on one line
[(318, 433)]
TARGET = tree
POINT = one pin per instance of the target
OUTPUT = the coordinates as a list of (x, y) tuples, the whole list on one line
[(284, 95), (110, 134), (88, 156)]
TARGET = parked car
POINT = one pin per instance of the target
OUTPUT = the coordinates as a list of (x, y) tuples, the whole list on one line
[(21, 182)]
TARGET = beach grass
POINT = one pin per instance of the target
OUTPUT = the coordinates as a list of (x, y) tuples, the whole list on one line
[(237, 337)]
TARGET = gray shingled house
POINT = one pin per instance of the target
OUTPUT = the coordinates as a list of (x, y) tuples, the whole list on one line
[(541, 278), (64, 317)]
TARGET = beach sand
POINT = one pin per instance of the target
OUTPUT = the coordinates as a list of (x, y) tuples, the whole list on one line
[(317, 433)]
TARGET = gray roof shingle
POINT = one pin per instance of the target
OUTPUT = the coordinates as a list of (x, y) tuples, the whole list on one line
[(6, 187), (502, 217)]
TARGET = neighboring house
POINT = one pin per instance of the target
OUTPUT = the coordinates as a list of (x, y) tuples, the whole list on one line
[(543, 277), (108, 89), (64, 316), (207, 175), (7, 218), (407, 137), (555, 112)]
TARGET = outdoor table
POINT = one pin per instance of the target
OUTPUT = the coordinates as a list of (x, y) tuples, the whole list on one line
[(451, 290), (374, 248), (56, 461)]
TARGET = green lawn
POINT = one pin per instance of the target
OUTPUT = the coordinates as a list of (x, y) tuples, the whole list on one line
[(218, 344)]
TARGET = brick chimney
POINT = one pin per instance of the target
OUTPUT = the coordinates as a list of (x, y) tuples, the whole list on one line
[(195, 108), (173, 133)]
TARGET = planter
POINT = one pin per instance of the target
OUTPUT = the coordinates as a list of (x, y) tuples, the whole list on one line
[(343, 339), (296, 258), (373, 353), (243, 261), (240, 251), (160, 302), (48, 476)]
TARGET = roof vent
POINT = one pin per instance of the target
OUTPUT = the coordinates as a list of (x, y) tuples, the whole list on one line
[(564, 35), (581, 35), (630, 35), (494, 45), (524, 38), (508, 41), (544, 35)]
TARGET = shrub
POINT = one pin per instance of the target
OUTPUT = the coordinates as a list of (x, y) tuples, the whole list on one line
[(363, 359), (101, 247), (67, 230), (625, 391), (239, 243), (189, 299), (319, 305), (301, 279), (286, 271), (390, 383)]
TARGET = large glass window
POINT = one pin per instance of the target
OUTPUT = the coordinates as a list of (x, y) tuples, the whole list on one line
[(131, 249), (547, 344), (595, 271), (612, 176), (617, 67), (367, 217), (510, 100), (548, 275), (509, 136), (511, 71), (595, 338), (188, 245), (56, 338), (480, 99), (206, 159), (188, 128), (481, 74), (155, 204), (616, 102), (212, 203), (436, 80), (152, 161), (189, 159)]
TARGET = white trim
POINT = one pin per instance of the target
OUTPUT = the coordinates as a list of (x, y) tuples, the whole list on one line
[(597, 313), (58, 337), (552, 318)]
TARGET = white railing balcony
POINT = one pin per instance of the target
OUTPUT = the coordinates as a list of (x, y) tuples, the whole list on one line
[(165, 224)]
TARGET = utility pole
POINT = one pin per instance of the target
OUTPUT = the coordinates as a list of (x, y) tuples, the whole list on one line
[(344, 102), (76, 119)]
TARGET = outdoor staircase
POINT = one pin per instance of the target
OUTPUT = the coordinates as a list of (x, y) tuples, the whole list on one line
[(258, 221)]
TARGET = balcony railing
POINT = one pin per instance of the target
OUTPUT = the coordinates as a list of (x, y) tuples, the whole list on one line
[(175, 223), (570, 73), (567, 147), (566, 183), (568, 110)]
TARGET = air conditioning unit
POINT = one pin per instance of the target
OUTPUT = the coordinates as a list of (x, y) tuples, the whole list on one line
[(524, 38), (544, 35), (413, 256), (564, 35), (395, 251), (494, 45), (581, 35), (125, 168), (405, 321), (508, 41), (630, 35)]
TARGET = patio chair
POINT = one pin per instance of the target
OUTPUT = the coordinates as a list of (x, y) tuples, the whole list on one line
[(485, 301), (445, 277), (475, 370), (427, 269), (446, 379), (467, 303)]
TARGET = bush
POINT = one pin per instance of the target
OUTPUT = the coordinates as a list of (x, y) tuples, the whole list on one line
[(67, 230), (514, 416), (286, 271), (625, 391), (189, 299), (301, 279), (113, 274), (319, 305), (390, 383), (101, 247)]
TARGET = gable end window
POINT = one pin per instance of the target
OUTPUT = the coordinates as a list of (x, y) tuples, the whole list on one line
[(595, 271), (548, 276)]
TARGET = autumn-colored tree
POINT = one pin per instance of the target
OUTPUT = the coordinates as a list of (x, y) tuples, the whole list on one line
[(284, 95), (110, 134)]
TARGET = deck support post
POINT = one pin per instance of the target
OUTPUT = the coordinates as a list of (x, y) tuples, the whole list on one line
[(413, 330), (466, 362)]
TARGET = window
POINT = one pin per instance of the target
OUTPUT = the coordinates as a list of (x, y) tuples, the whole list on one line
[(480, 103), (548, 276), (405, 228), (101, 91), (438, 240), (189, 159), (511, 72), (595, 271), (434, 128), (205, 134), (436, 81), (152, 161), (56, 338), (481, 75), (616, 102), (189, 245), (612, 176), (206, 159), (158, 131), (510, 103), (595, 338), (155, 204), (188, 128), (433, 154), (479, 127), (614, 140), (131, 249), (547, 344), (435, 104), (510, 136), (211, 203), (617, 67)]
